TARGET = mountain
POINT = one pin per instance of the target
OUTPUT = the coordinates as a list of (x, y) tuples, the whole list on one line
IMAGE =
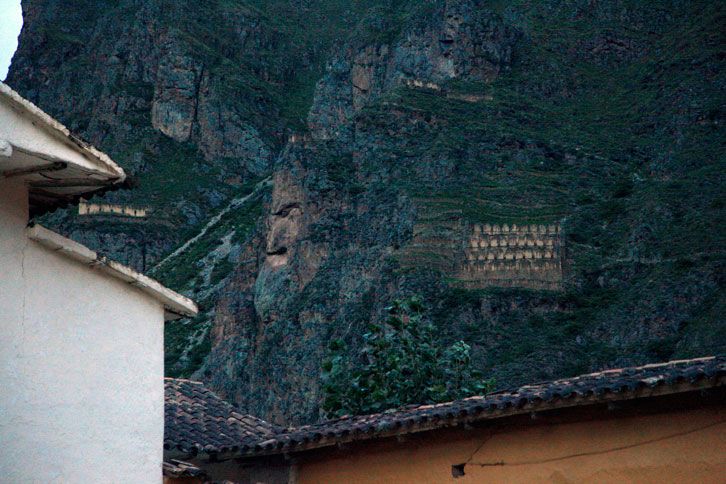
[(548, 176)]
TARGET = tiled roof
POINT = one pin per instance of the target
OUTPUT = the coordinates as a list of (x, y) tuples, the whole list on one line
[(177, 468), (604, 386), (197, 420)]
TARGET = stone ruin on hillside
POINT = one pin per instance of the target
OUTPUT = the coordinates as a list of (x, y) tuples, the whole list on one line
[(476, 256), (85, 208), (512, 256)]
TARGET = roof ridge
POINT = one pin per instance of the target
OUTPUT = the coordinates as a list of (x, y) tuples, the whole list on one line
[(627, 383), (612, 371), (648, 365), (198, 420), (185, 380)]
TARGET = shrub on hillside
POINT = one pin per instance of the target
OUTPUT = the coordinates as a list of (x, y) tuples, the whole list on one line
[(400, 362)]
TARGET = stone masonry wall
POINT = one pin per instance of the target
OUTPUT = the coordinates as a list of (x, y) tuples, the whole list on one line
[(111, 209), (476, 256), (512, 256)]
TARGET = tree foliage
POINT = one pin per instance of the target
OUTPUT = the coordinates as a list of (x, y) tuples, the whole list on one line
[(400, 362)]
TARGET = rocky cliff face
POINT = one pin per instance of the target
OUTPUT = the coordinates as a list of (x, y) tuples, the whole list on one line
[(546, 176), (141, 64), (459, 40), (132, 77)]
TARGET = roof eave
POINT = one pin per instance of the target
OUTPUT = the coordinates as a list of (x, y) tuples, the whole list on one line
[(57, 129), (275, 447), (175, 305)]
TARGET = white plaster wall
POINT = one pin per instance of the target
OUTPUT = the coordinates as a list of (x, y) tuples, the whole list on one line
[(81, 366)]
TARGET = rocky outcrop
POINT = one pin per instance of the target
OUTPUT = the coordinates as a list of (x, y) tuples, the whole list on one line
[(149, 97), (451, 40), (176, 95), (188, 108), (221, 133)]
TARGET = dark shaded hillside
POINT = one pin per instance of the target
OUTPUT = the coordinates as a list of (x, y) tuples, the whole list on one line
[(601, 122)]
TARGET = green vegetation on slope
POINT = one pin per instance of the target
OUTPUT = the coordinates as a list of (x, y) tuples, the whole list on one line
[(199, 270), (400, 363)]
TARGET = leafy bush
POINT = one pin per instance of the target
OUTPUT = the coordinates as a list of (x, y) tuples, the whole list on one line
[(400, 362)]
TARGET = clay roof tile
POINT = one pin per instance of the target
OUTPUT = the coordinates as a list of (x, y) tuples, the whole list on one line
[(587, 389)]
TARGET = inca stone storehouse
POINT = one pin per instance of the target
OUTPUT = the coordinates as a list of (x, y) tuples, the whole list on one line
[(485, 255), (85, 208), (513, 256)]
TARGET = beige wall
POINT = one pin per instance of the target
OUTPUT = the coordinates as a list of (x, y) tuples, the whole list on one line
[(81, 365), (677, 447)]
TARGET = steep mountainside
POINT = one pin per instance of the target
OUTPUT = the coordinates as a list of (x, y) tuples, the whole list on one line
[(194, 100), (547, 175)]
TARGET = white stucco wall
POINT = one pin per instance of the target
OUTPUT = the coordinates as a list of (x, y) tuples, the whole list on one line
[(81, 366)]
